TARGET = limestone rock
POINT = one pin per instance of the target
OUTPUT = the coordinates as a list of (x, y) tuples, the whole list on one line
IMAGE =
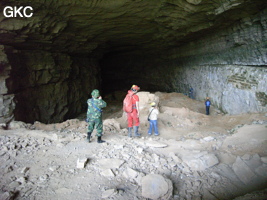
[(244, 173), (200, 161), (155, 187), (110, 163), (262, 171), (130, 173), (6, 195), (156, 144), (107, 173), (109, 193), (17, 125), (81, 162)]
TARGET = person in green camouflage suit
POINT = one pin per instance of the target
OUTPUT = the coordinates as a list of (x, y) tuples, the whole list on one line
[(94, 115)]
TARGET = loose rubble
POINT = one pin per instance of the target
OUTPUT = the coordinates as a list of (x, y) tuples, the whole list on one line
[(55, 161)]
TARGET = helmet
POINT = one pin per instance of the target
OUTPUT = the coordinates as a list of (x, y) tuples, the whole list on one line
[(135, 88), (153, 104), (95, 93)]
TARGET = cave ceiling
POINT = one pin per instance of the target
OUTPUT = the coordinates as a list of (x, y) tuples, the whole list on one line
[(134, 26)]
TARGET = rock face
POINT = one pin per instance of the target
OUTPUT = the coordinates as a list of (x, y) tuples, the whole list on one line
[(6, 100), (50, 62), (48, 87)]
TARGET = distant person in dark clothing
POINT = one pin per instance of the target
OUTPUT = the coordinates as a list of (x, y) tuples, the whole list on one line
[(207, 103), (191, 94)]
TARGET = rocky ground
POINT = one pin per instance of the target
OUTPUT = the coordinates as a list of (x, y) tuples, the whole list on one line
[(195, 157)]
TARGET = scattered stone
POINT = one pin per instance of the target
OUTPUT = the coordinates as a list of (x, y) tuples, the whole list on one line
[(175, 158), (155, 186), (81, 162), (63, 191), (139, 177), (42, 126), (3, 126), (5, 195), (120, 146), (17, 125), (156, 144), (54, 168), (43, 178), (24, 170), (110, 163), (226, 158), (208, 139), (8, 169), (54, 137), (246, 157), (253, 162), (207, 194), (244, 173), (21, 180), (139, 150), (107, 173), (262, 170), (256, 195), (264, 159), (60, 145), (130, 173), (14, 184), (200, 161), (109, 193)]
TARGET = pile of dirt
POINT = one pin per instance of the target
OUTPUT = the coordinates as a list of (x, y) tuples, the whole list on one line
[(205, 157)]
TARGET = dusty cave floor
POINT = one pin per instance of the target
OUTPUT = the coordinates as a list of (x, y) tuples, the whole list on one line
[(206, 157)]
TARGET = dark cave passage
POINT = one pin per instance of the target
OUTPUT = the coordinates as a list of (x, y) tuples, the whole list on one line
[(120, 71)]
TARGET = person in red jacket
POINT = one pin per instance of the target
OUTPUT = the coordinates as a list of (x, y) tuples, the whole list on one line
[(133, 116)]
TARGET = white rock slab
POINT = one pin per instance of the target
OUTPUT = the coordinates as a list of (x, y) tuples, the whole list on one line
[(110, 163), (155, 144), (244, 173), (208, 139), (81, 162), (107, 173), (109, 193), (130, 173), (200, 161)]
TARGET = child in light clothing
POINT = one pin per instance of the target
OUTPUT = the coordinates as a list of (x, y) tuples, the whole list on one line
[(153, 119)]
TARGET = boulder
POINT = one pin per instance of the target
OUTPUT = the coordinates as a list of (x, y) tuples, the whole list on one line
[(155, 186)]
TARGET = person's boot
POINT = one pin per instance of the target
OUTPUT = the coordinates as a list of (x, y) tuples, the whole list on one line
[(88, 136), (136, 134), (99, 139), (129, 131)]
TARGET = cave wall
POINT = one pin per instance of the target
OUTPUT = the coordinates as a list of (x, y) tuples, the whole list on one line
[(233, 89), (228, 65), (7, 104), (45, 86)]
